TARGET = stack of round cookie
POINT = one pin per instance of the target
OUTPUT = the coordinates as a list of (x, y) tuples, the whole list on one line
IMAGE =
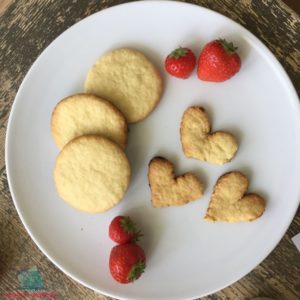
[(92, 172)]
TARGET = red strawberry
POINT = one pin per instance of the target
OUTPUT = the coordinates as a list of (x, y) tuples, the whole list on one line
[(218, 61), (127, 262), (122, 230), (180, 63)]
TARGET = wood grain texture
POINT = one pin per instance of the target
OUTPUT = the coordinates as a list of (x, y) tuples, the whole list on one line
[(26, 28)]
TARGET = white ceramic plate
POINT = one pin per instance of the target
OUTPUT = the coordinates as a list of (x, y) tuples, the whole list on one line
[(187, 257)]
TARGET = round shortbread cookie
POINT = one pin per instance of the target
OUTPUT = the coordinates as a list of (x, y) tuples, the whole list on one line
[(92, 173), (83, 114), (129, 80)]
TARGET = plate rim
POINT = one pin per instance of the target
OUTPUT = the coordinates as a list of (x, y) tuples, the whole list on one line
[(8, 138)]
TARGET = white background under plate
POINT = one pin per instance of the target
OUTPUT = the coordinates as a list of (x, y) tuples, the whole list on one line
[(187, 257)]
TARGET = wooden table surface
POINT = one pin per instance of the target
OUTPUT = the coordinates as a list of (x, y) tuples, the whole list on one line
[(26, 28)]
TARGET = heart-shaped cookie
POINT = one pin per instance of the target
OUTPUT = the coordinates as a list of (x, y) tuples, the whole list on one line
[(169, 190), (229, 203), (198, 142)]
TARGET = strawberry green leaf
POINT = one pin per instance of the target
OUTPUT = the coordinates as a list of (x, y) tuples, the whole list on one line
[(128, 225), (179, 52), (137, 236), (228, 46), (136, 270)]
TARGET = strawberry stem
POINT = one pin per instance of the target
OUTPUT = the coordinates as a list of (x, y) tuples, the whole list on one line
[(136, 270)]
